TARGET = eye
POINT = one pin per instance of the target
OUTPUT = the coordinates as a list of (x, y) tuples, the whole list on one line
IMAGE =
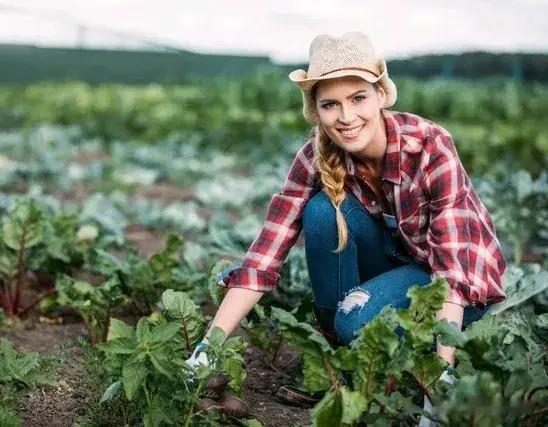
[(328, 105), (359, 98)]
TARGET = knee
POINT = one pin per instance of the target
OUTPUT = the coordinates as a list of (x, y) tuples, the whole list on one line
[(350, 314)]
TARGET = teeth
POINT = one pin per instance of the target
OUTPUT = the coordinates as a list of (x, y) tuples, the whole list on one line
[(351, 132)]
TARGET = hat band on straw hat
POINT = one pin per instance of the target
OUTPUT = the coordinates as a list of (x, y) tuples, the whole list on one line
[(349, 68)]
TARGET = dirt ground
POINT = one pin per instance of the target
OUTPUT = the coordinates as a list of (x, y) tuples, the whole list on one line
[(60, 406)]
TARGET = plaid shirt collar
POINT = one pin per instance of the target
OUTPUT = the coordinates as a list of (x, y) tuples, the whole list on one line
[(391, 169)]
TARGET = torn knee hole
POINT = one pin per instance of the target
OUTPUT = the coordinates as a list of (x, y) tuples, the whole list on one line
[(355, 299)]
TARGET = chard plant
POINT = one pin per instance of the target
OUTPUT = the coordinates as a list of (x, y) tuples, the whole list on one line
[(143, 281), (36, 245), (22, 229), (380, 378), (21, 369), (147, 364), (19, 372), (94, 303)]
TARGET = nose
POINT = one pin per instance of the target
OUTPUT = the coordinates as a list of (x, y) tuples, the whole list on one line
[(347, 115)]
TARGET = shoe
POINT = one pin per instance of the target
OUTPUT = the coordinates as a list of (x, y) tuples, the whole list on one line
[(291, 395)]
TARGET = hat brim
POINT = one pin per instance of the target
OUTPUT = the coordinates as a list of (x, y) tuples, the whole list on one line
[(299, 77)]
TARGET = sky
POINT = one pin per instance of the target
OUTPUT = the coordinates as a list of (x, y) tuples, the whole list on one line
[(280, 29)]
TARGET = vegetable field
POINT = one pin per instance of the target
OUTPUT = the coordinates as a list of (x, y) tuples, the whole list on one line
[(120, 205)]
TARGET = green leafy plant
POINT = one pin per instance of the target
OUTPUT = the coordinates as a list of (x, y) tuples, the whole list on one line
[(22, 229), (148, 363), (502, 372), (37, 244), (518, 205), (379, 377), (143, 281), (94, 303), (21, 369)]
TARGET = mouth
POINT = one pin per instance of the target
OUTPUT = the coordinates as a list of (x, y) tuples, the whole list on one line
[(352, 132)]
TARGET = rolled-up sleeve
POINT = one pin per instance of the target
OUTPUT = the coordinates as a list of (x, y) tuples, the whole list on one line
[(454, 236), (280, 230)]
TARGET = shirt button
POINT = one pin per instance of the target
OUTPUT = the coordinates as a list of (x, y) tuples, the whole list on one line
[(373, 203)]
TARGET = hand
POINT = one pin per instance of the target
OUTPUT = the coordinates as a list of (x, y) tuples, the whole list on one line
[(198, 357), (449, 378)]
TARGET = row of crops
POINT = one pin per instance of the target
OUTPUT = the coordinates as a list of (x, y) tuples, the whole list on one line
[(86, 172)]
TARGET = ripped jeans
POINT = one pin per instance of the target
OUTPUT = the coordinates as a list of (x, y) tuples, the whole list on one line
[(374, 270)]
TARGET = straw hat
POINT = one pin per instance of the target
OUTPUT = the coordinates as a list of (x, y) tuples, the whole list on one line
[(349, 55)]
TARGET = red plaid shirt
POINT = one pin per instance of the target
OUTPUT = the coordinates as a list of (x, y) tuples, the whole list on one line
[(442, 222)]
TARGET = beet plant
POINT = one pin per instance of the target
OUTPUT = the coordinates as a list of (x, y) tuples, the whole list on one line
[(380, 377), (147, 364), (36, 244), (94, 303)]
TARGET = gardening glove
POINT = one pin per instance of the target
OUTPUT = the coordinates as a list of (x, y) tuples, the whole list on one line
[(198, 357), (449, 378)]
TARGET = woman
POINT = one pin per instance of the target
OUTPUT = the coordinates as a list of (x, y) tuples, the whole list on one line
[(383, 200)]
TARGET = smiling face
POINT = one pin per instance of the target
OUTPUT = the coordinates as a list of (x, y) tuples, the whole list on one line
[(349, 110)]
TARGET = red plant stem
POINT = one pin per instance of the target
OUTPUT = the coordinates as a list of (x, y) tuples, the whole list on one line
[(7, 300), (390, 385), (421, 386), (39, 298), (20, 270)]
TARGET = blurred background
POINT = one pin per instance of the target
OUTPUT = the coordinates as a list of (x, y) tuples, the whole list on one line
[(146, 117)]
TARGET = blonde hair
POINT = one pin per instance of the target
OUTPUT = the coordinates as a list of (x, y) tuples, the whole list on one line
[(330, 162)]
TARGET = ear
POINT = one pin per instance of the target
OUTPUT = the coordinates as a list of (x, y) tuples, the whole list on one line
[(381, 93)]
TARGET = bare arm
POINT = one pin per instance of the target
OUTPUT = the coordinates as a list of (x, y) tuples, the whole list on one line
[(451, 312), (234, 307)]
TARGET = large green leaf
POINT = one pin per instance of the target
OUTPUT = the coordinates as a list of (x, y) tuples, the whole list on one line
[(133, 375), (353, 405), (22, 226), (180, 306), (523, 290), (316, 377), (111, 391), (328, 411), (119, 329), (162, 333)]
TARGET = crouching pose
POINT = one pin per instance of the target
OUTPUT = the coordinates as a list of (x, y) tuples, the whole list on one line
[(382, 199)]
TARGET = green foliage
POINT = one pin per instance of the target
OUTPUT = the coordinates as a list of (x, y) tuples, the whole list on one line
[(503, 371), (490, 119), (34, 237), (21, 369), (377, 378), (143, 281), (8, 418), (526, 287), (180, 306), (518, 206), (216, 291), (94, 303), (148, 364)]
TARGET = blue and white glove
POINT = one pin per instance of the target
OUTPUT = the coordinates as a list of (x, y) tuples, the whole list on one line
[(198, 357), (449, 378)]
